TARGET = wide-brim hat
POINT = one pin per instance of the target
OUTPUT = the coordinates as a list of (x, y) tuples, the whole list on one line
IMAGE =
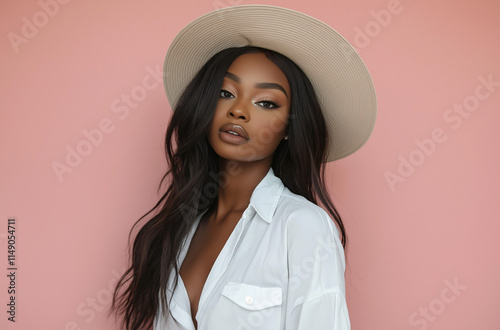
[(340, 78)]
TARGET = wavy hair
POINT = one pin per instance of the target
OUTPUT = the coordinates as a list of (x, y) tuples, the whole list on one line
[(142, 289)]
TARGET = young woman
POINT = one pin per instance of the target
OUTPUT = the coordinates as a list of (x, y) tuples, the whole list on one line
[(263, 97)]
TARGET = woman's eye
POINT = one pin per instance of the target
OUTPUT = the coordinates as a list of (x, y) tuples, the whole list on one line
[(268, 104), (225, 94)]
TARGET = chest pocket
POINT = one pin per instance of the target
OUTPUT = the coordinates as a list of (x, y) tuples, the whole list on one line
[(245, 306)]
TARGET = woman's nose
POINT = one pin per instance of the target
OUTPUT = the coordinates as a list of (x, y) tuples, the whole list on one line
[(238, 111)]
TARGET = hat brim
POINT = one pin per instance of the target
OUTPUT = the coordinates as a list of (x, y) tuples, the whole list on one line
[(340, 78)]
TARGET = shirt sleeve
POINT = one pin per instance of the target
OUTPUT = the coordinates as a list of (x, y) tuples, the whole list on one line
[(316, 265)]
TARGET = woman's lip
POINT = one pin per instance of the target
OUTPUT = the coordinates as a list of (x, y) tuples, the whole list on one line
[(231, 138), (236, 129)]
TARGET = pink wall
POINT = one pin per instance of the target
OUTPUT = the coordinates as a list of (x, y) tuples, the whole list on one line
[(420, 200)]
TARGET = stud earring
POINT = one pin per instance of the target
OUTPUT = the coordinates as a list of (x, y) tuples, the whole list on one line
[(286, 138)]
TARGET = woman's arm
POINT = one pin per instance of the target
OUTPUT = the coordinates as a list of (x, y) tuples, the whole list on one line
[(316, 264)]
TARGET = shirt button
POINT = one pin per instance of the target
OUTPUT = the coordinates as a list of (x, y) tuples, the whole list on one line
[(249, 300)]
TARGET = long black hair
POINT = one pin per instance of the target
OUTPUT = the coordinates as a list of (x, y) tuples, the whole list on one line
[(193, 165)]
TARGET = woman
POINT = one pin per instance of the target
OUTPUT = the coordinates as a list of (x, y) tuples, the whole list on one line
[(263, 97)]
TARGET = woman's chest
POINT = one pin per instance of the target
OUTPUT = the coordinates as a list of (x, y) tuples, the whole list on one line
[(204, 249), (248, 282)]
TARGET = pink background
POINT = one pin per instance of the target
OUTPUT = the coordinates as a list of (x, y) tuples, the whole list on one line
[(419, 218)]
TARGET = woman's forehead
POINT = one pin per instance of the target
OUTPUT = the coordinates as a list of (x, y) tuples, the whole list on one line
[(254, 68)]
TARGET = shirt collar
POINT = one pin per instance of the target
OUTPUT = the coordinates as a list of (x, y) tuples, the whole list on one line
[(266, 195)]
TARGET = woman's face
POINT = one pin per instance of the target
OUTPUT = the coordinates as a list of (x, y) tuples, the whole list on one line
[(252, 112)]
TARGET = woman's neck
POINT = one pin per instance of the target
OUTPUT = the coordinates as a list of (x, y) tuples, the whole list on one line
[(237, 181)]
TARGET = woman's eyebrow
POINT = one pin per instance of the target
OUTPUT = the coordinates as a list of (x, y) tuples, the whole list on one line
[(235, 78), (232, 76), (271, 85)]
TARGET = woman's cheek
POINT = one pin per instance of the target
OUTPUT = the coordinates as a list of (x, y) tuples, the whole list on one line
[(278, 123)]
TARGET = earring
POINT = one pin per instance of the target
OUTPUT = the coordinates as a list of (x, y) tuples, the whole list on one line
[(286, 138)]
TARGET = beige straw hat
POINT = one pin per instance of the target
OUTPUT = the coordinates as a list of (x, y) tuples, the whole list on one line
[(339, 76)]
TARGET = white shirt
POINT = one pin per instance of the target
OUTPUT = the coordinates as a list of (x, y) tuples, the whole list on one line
[(282, 267)]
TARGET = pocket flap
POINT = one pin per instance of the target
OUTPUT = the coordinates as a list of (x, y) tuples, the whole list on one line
[(253, 297)]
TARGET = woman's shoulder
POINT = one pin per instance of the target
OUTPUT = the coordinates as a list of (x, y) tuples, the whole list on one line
[(309, 231), (297, 213)]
